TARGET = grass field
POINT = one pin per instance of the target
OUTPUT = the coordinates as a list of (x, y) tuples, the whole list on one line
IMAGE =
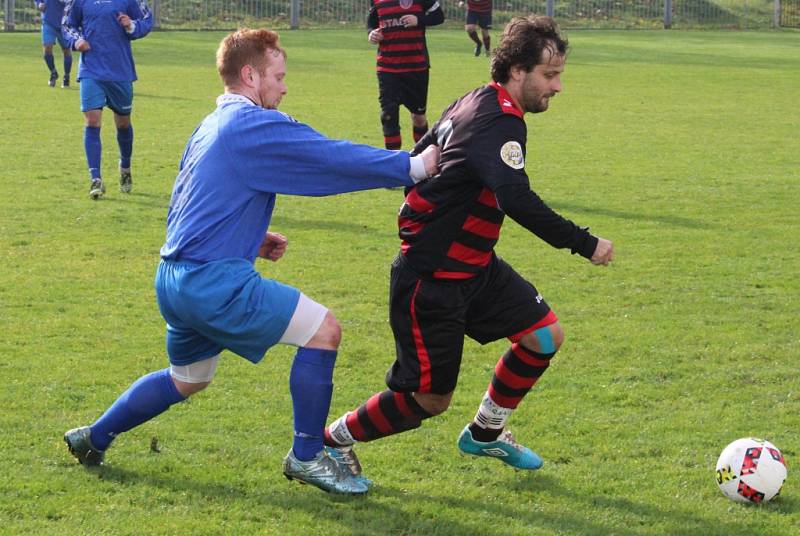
[(681, 147)]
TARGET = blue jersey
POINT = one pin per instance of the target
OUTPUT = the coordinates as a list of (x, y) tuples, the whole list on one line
[(110, 58), (53, 12), (239, 157)]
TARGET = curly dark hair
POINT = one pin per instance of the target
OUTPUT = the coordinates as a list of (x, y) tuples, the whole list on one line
[(522, 43)]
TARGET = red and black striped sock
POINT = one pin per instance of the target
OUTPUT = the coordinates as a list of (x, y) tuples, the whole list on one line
[(419, 132), (383, 414), (514, 375), (487, 42), (393, 141)]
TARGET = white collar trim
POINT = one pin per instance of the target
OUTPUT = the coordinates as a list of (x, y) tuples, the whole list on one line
[(226, 98)]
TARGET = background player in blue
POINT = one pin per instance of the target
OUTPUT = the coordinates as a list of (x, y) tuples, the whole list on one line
[(102, 32), (237, 160), (52, 13), (448, 283)]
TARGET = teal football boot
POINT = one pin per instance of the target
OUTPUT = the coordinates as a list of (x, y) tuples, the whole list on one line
[(504, 448), (346, 457)]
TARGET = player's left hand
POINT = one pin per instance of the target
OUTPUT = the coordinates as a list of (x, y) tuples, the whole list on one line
[(124, 20), (409, 21), (273, 247)]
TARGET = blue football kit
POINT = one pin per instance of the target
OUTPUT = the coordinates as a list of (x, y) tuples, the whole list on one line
[(110, 59), (106, 70), (233, 166), (51, 22)]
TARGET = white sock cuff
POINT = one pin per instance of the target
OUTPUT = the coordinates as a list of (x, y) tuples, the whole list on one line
[(339, 431), (490, 415)]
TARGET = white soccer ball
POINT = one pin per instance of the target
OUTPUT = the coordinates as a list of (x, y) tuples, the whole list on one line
[(751, 470)]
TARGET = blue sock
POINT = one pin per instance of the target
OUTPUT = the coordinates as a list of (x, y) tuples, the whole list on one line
[(93, 148), (51, 63), (125, 141), (67, 65), (146, 398), (311, 385)]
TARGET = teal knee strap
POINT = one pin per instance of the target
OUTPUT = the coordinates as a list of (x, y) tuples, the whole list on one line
[(546, 344)]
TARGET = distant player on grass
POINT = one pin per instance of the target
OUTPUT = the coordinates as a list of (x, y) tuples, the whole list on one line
[(398, 28), (52, 12), (479, 14), (102, 32), (213, 299), (447, 281)]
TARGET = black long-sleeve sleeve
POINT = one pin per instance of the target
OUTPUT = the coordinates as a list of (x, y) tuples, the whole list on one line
[(433, 15), (523, 206)]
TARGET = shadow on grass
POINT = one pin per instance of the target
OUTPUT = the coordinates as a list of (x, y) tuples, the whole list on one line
[(675, 221), (387, 508)]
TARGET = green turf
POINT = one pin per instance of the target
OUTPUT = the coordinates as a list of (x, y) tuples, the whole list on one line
[(680, 147)]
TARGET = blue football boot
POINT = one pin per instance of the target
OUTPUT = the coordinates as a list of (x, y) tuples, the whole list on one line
[(505, 448), (323, 472)]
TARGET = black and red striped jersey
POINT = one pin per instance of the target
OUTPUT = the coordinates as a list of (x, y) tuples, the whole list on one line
[(479, 6), (450, 223), (403, 50)]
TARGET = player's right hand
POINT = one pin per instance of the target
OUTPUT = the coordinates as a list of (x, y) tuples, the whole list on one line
[(375, 36), (82, 45), (604, 252)]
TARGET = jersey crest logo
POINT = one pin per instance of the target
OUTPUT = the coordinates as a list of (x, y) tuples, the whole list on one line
[(511, 154), (405, 4)]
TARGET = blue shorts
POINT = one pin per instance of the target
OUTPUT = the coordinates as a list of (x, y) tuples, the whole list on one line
[(95, 94), (221, 305), (50, 35)]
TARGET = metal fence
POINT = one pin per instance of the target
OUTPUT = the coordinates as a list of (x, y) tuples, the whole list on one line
[(21, 15)]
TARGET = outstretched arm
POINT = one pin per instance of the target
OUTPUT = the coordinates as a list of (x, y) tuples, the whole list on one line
[(277, 154)]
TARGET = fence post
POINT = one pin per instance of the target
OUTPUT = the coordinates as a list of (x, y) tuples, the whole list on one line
[(667, 14), (550, 8), (156, 8), (9, 18), (294, 15), (776, 14)]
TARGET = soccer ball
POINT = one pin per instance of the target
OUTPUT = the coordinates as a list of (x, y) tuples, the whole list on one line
[(751, 470)]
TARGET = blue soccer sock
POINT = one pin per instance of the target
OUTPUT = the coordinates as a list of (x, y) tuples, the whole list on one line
[(125, 141), (67, 65), (146, 398), (311, 385), (51, 63), (93, 148)]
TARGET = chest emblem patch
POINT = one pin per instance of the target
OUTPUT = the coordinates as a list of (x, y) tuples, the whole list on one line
[(405, 4), (511, 154)]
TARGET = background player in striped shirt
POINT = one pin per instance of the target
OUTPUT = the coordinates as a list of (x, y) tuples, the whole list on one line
[(448, 283), (479, 14), (398, 28), (102, 32), (52, 12)]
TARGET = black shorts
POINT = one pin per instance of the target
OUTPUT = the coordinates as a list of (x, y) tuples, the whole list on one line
[(430, 318), (481, 18), (408, 89)]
